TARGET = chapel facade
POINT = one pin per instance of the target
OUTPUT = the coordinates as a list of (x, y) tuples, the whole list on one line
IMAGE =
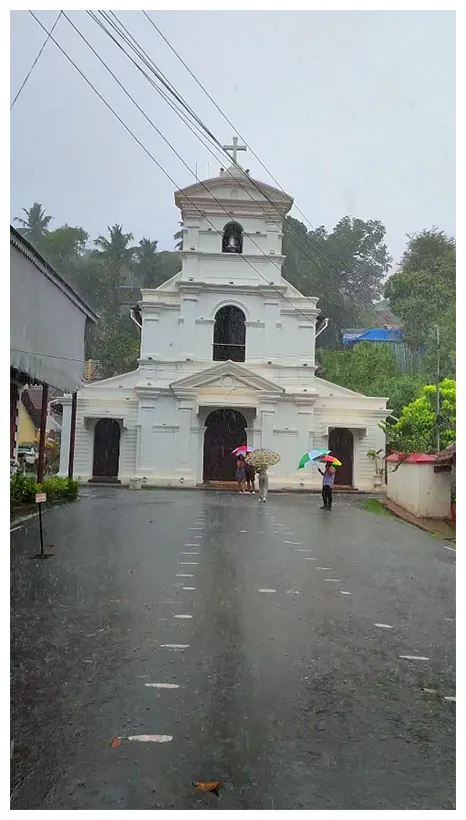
[(227, 357)]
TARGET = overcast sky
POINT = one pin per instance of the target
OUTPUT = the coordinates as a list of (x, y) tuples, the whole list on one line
[(352, 112)]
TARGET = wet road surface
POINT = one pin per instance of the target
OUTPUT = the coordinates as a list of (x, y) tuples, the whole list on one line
[(287, 681)]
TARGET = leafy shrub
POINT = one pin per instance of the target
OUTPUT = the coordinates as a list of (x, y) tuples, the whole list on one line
[(57, 488), (23, 489)]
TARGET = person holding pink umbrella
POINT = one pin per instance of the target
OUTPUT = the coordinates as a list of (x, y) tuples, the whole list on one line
[(240, 475)]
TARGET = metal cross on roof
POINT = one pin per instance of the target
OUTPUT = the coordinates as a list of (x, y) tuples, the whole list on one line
[(234, 148)]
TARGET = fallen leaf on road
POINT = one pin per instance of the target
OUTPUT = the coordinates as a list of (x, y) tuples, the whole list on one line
[(116, 741), (210, 786)]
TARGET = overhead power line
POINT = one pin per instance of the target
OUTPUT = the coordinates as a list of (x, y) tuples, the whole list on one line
[(269, 284), (36, 60), (320, 250)]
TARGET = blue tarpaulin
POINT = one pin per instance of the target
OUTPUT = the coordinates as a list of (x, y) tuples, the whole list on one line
[(376, 334)]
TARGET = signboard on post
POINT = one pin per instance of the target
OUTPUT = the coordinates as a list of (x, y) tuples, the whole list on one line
[(41, 498)]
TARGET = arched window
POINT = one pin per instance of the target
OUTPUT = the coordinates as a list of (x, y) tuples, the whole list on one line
[(229, 335), (232, 240)]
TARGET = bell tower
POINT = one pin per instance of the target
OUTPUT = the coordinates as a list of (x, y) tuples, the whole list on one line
[(232, 228)]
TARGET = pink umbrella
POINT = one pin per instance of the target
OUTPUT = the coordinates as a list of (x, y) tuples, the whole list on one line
[(243, 450)]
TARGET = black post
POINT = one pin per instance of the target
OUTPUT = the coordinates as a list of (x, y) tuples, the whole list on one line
[(43, 433), (41, 532)]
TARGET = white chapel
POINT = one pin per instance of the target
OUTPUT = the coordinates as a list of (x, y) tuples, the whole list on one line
[(227, 357)]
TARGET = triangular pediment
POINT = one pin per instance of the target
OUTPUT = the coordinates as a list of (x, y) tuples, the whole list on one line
[(227, 375)]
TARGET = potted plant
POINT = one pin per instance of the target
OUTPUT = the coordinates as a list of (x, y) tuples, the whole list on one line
[(377, 456)]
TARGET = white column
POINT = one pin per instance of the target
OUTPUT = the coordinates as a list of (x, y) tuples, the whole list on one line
[(268, 417), (65, 435), (185, 459), (188, 308), (145, 448), (305, 439)]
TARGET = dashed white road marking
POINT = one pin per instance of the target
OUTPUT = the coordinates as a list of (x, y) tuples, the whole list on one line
[(292, 592), (384, 626), (174, 645), (151, 738), (189, 563), (337, 580), (13, 529), (324, 568), (190, 553), (449, 619), (429, 691), (190, 545), (343, 592), (163, 685), (450, 697), (184, 617), (306, 558), (196, 528), (184, 575), (304, 550), (452, 549), (413, 658), (243, 530), (267, 590), (189, 587)]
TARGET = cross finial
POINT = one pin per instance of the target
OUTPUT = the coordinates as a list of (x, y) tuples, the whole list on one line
[(234, 148)]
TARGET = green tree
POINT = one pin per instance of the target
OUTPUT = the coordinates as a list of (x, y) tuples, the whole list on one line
[(178, 237), (344, 268), (372, 370), (115, 346), (416, 430), (36, 224), (116, 250), (422, 293), (64, 247), (147, 263)]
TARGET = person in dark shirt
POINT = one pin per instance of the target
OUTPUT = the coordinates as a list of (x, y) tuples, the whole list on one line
[(327, 484), (250, 476)]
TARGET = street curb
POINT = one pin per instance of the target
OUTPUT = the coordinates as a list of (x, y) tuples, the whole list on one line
[(45, 508)]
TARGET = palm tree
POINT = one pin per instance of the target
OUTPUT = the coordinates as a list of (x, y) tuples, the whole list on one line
[(115, 250), (178, 236), (147, 262), (36, 224)]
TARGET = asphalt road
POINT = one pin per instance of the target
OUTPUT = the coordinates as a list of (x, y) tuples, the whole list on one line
[(289, 691)]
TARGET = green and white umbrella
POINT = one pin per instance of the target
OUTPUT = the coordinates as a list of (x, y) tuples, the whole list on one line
[(310, 457)]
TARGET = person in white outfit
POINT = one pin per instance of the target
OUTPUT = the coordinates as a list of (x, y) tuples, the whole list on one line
[(263, 484)]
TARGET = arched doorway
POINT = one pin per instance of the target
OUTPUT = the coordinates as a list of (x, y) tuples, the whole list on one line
[(229, 335), (341, 445), (225, 430), (106, 449)]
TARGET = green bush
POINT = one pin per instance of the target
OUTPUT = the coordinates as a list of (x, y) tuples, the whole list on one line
[(57, 488), (23, 489)]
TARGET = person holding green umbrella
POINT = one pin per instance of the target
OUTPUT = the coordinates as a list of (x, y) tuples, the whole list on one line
[(328, 478)]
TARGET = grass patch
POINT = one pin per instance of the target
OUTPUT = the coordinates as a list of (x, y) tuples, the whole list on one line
[(373, 505)]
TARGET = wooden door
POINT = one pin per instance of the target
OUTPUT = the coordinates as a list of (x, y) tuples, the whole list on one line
[(341, 445), (106, 449), (225, 430)]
